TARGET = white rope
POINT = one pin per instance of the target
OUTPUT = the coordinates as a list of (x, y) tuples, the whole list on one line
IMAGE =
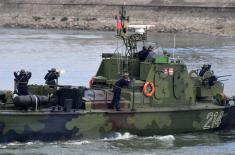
[(36, 99)]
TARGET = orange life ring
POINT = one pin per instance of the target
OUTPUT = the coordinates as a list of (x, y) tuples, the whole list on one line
[(146, 85)]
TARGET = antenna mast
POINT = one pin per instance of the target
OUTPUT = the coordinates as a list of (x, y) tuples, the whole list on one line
[(129, 40), (174, 47)]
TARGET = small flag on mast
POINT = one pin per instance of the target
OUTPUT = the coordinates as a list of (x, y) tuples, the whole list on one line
[(119, 25)]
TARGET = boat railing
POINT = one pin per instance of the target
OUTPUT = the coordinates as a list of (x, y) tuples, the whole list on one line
[(105, 92), (135, 88)]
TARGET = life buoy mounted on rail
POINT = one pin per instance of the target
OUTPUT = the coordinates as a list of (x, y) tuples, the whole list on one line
[(146, 90)]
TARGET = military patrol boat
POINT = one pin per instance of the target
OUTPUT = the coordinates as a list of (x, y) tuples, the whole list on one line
[(162, 98)]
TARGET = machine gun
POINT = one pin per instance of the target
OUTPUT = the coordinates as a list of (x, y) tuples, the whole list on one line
[(223, 76), (212, 79)]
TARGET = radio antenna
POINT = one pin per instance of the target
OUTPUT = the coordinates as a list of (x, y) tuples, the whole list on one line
[(174, 47)]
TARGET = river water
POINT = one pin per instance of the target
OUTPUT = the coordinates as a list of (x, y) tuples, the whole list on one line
[(79, 54)]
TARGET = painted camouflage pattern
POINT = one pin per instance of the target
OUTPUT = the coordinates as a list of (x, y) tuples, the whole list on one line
[(172, 109), (50, 126)]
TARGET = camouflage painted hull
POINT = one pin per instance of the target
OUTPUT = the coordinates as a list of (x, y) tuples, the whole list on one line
[(50, 126)]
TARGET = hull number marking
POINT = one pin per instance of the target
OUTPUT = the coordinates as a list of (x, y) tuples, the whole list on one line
[(213, 120)]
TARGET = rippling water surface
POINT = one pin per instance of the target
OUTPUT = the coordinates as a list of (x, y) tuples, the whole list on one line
[(78, 53)]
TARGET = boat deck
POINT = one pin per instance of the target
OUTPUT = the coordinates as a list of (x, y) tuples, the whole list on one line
[(198, 106)]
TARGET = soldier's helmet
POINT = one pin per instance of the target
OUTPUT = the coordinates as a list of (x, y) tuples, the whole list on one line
[(150, 48), (144, 48), (164, 52), (53, 69), (205, 66), (126, 75), (209, 66), (22, 71)]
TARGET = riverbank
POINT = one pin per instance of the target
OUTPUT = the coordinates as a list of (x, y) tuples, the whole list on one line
[(168, 17)]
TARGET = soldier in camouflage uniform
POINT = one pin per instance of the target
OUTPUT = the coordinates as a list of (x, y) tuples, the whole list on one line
[(21, 79), (51, 77), (143, 54), (204, 69)]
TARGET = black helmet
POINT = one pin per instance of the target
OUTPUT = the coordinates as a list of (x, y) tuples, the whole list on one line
[(53, 69), (150, 48), (22, 71)]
